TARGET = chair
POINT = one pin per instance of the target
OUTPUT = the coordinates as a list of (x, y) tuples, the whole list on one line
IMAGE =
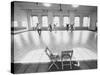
[(66, 56), (52, 57)]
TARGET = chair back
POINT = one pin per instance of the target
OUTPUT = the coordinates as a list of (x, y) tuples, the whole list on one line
[(67, 54), (48, 52)]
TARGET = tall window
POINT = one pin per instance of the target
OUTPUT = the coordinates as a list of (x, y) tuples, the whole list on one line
[(56, 21), (86, 21), (24, 23), (45, 21), (77, 21), (66, 20), (34, 21), (15, 23)]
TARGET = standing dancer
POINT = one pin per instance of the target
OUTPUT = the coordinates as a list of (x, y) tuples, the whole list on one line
[(54, 28), (38, 29), (50, 27), (72, 27), (67, 27)]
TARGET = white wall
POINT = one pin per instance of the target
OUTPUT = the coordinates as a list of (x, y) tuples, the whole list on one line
[(20, 16), (93, 21)]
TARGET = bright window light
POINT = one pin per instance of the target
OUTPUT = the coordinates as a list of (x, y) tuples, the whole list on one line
[(84, 54), (65, 37), (84, 37), (77, 21), (15, 24), (86, 21), (47, 4), (39, 56), (17, 40), (25, 37), (34, 21), (76, 36), (46, 37), (75, 6), (66, 21), (34, 56), (35, 37), (45, 21), (57, 36), (56, 21), (24, 23)]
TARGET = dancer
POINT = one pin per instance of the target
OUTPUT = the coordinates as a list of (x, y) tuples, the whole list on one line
[(50, 27), (72, 27), (54, 28), (67, 27), (38, 29)]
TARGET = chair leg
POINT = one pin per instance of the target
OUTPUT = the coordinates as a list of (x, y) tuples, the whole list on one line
[(56, 65), (62, 64), (53, 63), (50, 66), (70, 64), (78, 63)]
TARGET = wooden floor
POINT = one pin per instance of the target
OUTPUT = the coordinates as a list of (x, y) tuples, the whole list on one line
[(19, 68)]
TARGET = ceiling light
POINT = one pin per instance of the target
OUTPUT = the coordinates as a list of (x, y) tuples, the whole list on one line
[(75, 6), (47, 4)]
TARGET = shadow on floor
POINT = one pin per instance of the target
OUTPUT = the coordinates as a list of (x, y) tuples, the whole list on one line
[(18, 68)]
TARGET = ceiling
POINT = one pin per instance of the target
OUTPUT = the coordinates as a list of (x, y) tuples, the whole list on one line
[(55, 7)]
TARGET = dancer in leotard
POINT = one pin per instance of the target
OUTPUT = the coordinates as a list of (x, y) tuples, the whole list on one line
[(38, 29)]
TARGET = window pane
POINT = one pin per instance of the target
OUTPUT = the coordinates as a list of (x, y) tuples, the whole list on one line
[(77, 21), (45, 21), (56, 21), (66, 21), (86, 21), (15, 24), (24, 24), (34, 21)]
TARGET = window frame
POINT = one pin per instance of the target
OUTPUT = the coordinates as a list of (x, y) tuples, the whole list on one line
[(88, 24), (47, 20), (79, 21)]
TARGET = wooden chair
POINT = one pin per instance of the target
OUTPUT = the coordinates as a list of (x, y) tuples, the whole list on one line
[(66, 56), (52, 57)]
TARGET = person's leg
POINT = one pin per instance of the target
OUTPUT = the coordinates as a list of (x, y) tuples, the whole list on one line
[(67, 28), (50, 29), (71, 28), (39, 32)]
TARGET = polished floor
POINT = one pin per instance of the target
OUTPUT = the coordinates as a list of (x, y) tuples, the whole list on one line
[(28, 49), (43, 67)]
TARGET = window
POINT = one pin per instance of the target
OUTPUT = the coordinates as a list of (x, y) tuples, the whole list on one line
[(56, 21), (15, 24), (34, 21), (66, 21), (45, 21), (77, 21), (86, 21), (24, 23)]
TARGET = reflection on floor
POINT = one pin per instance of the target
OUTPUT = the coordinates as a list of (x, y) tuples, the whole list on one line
[(28, 55), (27, 42), (43, 67)]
